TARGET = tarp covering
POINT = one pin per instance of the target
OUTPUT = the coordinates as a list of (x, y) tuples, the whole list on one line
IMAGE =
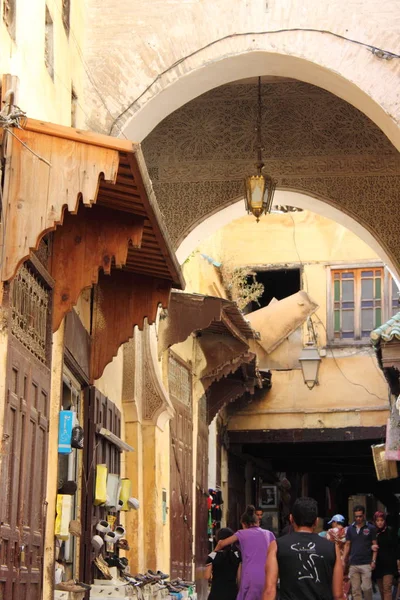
[(281, 318)]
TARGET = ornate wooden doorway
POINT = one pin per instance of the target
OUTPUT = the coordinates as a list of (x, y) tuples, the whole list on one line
[(180, 389), (25, 437)]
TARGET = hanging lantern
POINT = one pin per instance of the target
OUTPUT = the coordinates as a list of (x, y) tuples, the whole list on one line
[(259, 189)]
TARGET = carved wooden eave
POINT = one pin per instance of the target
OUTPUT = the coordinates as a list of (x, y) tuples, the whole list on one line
[(223, 354), (94, 192), (93, 168), (188, 313), (122, 301), (244, 380)]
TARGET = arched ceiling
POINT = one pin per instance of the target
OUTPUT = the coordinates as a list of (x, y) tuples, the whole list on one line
[(314, 143)]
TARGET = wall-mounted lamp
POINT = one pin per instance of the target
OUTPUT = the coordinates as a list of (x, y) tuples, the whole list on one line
[(310, 361), (310, 358)]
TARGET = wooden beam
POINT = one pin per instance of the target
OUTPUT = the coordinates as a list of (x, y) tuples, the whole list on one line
[(87, 242), (79, 135), (279, 436), (122, 301)]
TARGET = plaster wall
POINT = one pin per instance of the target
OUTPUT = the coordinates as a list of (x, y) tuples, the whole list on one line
[(40, 95), (335, 403), (352, 390), (148, 58), (274, 239)]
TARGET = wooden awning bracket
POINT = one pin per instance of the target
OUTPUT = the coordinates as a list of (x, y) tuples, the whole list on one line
[(116, 315), (92, 240)]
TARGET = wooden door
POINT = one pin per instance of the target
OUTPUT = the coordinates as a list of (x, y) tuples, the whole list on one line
[(181, 474), (99, 411), (181, 493), (25, 436), (201, 545), (23, 475)]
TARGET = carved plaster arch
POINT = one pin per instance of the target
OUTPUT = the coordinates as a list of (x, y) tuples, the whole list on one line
[(235, 210), (254, 56), (314, 144), (156, 405)]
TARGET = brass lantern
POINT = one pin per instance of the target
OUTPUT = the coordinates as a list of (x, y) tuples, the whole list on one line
[(260, 191), (259, 188)]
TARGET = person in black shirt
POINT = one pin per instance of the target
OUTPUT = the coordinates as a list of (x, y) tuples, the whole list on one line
[(223, 567), (388, 555), (308, 566)]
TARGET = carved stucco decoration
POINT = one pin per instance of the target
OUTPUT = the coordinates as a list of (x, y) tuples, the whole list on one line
[(156, 405), (314, 142)]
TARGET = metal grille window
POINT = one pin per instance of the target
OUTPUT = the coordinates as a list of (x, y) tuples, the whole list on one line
[(357, 302), (30, 312)]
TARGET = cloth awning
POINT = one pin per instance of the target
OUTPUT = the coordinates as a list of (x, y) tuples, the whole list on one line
[(281, 318)]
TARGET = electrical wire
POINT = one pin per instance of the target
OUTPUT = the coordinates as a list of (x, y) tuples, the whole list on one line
[(342, 372), (326, 333), (297, 252), (386, 54)]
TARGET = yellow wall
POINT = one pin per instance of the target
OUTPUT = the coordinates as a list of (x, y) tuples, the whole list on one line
[(352, 390), (39, 95)]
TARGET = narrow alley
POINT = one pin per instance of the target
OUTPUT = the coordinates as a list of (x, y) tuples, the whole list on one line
[(199, 296)]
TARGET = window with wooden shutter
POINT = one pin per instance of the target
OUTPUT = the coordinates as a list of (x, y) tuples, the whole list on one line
[(357, 302)]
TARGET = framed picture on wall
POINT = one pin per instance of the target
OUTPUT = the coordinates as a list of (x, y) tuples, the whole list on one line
[(269, 496)]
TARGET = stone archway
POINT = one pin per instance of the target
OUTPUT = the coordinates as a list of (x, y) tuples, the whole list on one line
[(152, 57), (141, 116), (315, 144)]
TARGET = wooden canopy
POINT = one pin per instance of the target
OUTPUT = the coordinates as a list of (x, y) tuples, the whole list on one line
[(195, 312), (94, 193), (87, 167)]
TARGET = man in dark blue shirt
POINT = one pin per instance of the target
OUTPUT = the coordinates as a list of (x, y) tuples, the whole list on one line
[(360, 537)]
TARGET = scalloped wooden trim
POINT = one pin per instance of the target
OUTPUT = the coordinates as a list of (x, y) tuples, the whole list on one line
[(36, 195), (93, 239), (122, 301)]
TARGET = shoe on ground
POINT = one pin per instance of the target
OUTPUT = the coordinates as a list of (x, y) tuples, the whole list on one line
[(69, 586)]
